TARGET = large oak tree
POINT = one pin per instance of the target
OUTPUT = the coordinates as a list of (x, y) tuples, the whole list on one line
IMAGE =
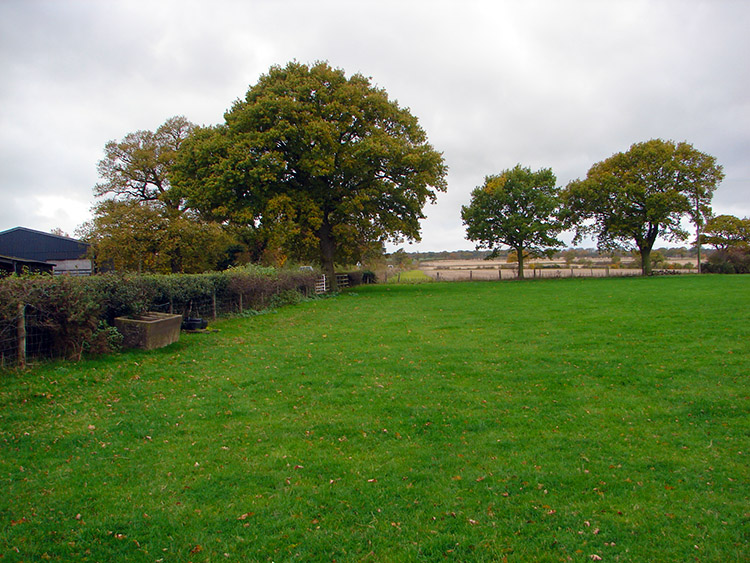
[(634, 197), (516, 208), (324, 165)]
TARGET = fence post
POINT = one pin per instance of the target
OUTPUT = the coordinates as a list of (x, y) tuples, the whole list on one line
[(241, 302), (213, 302), (471, 275), (437, 278), (21, 335), (499, 273)]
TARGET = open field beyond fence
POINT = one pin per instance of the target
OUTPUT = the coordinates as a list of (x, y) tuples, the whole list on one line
[(486, 274), (556, 420)]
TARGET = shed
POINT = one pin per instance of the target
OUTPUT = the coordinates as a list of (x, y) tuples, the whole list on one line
[(66, 255), (14, 265)]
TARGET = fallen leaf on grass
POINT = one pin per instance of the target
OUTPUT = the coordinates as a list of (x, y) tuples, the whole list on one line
[(246, 515), (196, 549)]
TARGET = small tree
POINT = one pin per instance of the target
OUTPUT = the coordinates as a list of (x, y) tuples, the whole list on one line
[(632, 198), (516, 208), (146, 237), (727, 231)]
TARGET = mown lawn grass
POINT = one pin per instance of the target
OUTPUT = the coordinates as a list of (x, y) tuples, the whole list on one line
[(557, 420)]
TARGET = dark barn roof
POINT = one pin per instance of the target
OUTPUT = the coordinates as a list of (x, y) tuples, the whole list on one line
[(29, 244)]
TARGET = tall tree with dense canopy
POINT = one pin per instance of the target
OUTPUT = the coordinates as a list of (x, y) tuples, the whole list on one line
[(137, 167), (323, 164), (516, 208), (634, 197)]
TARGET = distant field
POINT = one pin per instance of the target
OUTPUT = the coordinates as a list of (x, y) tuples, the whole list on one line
[(500, 269), (548, 420)]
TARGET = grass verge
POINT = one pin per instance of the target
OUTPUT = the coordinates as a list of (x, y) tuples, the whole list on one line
[(560, 420)]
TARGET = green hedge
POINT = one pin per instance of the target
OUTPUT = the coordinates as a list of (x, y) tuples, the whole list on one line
[(72, 314)]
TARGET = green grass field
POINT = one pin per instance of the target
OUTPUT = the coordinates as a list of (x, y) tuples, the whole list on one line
[(559, 420)]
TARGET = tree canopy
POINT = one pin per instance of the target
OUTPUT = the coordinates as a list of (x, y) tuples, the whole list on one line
[(146, 237), (320, 164), (724, 232), (516, 208), (137, 167), (633, 197)]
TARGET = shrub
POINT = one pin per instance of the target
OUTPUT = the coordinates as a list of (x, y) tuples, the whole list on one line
[(66, 310), (121, 295), (730, 261), (104, 340)]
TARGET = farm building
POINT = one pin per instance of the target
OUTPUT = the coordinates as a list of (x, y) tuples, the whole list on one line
[(65, 255), (13, 265)]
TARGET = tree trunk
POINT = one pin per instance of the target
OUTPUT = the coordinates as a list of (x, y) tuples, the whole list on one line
[(327, 253), (698, 242), (646, 261), (519, 252), (645, 245)]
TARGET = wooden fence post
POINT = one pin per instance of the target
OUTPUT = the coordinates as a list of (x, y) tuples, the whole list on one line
[(22, 335), (213, 303)]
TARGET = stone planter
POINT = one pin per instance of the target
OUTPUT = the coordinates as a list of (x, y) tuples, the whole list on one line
[(150, 330)]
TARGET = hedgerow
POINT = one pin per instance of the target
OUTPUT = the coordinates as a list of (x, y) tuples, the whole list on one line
[(64, 315)]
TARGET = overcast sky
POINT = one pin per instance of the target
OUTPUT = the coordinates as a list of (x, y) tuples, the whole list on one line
[(558, 83)]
